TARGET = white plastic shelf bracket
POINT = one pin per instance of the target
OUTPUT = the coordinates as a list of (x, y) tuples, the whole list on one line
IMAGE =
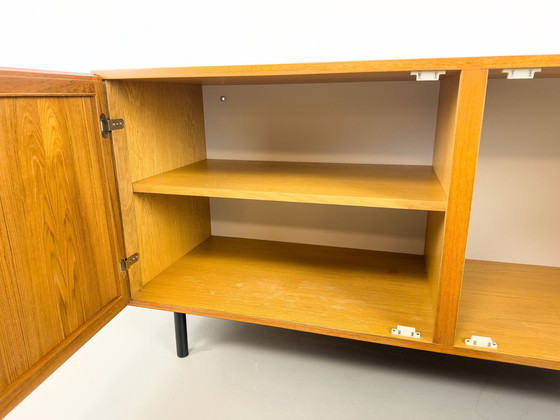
[(520, 73), (405, 331), (479, 341), (427, 76)]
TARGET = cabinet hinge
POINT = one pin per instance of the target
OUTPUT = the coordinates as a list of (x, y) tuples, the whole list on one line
[(125, 263), (405, 331), (479, 341), (108, 125)]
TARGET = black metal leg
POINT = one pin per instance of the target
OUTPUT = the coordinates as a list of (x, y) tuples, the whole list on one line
[(181, 335)]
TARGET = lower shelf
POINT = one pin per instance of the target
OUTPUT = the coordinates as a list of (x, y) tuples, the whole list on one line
[(317, 288), (517, 305)]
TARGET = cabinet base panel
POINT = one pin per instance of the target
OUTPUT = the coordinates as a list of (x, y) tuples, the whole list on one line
[(397, 342), (515, 304), (341, 292), (320, 287)]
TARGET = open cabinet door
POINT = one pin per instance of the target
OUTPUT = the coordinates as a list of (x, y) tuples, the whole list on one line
[(60, 229)]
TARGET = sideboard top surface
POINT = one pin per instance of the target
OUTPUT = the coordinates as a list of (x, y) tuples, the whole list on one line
[(350, 71)]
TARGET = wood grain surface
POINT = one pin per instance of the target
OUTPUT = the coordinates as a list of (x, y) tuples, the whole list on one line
[(443, 164), (164, 130), (445, 130), (433, 251), (333, 288), (391, 186), (326, 72), (59, 243), (517, 305), (466, 128), (59, 227), (14, 82), (355, 294)]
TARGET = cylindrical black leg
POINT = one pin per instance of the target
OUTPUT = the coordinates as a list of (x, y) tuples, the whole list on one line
[(181, 335)]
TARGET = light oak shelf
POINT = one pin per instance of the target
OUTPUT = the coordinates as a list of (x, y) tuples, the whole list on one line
[(309, 287), (516, 304), (390, 186)]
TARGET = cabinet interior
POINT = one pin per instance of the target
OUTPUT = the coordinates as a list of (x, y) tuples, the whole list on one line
[(511, 283), (315, 205), (338, 207)]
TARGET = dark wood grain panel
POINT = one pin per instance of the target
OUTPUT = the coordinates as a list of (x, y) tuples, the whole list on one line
[(59, 244), (28, 83), (22, 86)]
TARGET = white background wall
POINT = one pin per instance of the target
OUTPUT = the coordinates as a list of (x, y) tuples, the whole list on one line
[(516, 205), (81, 35)]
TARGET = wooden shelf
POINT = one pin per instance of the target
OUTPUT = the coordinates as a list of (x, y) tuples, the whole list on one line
[(390, 186), (307, 287), (517, 305)]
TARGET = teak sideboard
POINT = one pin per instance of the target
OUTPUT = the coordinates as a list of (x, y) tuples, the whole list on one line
[(106, 184)]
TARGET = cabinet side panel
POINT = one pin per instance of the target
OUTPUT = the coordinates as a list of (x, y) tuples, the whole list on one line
[(433, 248), (169, 227), (442, 163), (164, 130), (466, 130), (164, 125)]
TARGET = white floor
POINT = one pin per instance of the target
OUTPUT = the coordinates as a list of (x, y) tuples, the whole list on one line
[(240, 371)]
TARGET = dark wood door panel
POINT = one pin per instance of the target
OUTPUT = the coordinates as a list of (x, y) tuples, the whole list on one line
[(59, 230)]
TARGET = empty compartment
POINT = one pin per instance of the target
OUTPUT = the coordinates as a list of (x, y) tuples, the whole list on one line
[(511, 285), (325, 211)]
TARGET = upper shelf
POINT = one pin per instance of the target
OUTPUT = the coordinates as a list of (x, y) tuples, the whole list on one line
[(390, 186), (350, 71)]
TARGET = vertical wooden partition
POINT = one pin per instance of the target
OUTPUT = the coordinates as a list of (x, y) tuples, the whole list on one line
[(164, 130), (459, 125)]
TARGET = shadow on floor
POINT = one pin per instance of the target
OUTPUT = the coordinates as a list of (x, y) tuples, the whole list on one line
[(215, 332)]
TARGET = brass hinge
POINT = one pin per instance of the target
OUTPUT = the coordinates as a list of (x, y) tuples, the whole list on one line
[(108, 125), (125, 263)]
